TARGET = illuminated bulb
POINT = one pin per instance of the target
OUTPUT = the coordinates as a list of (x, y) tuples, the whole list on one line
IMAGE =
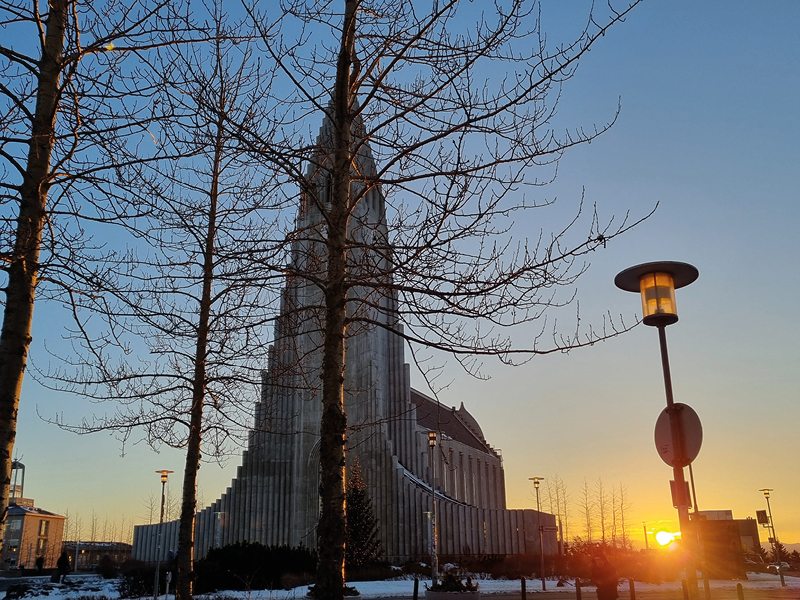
[(658, 298)]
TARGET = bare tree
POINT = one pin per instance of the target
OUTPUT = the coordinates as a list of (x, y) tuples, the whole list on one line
[(151, 506), (457, 113), (67, 525), (561, 499), (614, 502), (67, 105), (93, 530), (193, 288), (111, 534), (587, 507), (602, 508), (77, 528), (556, 498), (625, 507)]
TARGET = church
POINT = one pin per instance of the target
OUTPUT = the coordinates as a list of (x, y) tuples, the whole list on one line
[(413, 450)]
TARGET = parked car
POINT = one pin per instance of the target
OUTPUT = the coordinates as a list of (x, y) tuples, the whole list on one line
[(775, 567)]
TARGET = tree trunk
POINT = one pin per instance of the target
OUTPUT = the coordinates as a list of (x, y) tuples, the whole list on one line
[(185, 575), (23, 267), (332, 531)]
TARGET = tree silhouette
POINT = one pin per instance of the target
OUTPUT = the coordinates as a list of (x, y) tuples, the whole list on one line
[(69, 100), (440, 121)]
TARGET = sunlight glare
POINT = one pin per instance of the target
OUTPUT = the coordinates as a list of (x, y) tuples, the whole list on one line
[(665, 538)]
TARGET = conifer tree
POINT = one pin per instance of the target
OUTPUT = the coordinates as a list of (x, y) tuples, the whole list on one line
[(362, 545)]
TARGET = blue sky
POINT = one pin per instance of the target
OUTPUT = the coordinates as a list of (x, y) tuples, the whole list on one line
[(709, 130)]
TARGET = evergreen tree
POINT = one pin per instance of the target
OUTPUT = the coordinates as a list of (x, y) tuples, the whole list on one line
[(362, 546), (760, 552), (781, 553)]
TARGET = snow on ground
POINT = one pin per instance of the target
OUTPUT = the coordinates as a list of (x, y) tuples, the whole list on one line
[(405, 588)]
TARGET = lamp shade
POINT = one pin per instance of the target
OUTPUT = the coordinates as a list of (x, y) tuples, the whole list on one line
[(658, 299), (657, 282)]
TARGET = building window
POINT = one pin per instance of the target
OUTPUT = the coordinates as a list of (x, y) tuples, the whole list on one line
[(41, 547), (44, 526)]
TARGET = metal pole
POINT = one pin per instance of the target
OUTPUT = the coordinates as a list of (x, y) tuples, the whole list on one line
[(541, 545), (434, 557), (158, 550), (646, 543), (700, 543), (677, 469), (776, 548)]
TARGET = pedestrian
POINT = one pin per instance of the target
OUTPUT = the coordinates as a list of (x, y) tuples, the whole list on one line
[(40, 564), (604, 576), (63, 567)]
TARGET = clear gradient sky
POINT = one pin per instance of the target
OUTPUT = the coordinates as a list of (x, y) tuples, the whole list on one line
[(709, 129)]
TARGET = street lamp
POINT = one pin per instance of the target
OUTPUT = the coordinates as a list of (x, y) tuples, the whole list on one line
[(775, 548), (434, 557), (164, 474), (536, 481), (657, 282)]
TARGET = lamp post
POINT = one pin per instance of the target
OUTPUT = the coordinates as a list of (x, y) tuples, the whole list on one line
[(657, 282), (536, 481), (164, 474), (775, 548), (432, 463)]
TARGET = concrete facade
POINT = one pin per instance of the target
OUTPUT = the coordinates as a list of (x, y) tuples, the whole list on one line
[(274, 498)]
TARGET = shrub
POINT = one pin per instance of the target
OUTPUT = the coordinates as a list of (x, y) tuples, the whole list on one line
[(136, 579), (251, 566), (379, 571), (348, 591), (289, 581), (451, 583), (107, 567)]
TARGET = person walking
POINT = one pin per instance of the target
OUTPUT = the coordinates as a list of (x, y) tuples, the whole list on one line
[(63, 567), (604, 576)]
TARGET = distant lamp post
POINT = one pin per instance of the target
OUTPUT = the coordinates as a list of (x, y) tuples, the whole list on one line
[(657, 282), (536, 481), (775, 548), (164, 474), (434, 522)]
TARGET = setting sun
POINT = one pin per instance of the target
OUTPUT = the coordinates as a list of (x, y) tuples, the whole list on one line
[(665, 538)]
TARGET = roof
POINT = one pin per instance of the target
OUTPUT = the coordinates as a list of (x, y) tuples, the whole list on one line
[(15, 509), (458, 425)]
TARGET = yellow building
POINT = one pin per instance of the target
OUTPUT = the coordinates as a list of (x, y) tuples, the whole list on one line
[(31, 532)]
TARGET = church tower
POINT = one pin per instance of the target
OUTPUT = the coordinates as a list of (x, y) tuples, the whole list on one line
[(274, 498)]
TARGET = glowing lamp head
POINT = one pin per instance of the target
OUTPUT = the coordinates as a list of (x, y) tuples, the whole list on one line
[(657, 282), (164, 474), (431, 438), (658, 299)]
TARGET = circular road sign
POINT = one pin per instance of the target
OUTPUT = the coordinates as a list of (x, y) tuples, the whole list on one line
[(692, 434)]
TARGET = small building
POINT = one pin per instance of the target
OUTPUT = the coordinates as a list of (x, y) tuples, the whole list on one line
[(31, 532), (748, 528), (89, 554)]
